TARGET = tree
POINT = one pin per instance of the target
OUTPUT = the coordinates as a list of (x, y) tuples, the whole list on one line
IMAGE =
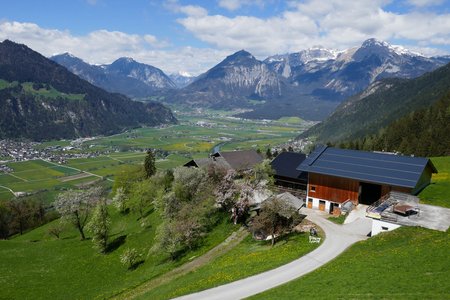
[(127, 177), (149, 164), (75, 206), (269, 154), (276, 218), (263, 173), (21, 214), (5, 220), (141, 196), (99, 226), (120, 199)]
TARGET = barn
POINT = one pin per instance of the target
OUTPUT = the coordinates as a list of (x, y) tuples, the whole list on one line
[(336, 176)]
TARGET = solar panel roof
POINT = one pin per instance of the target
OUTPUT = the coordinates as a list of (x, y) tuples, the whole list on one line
[(404, 171)]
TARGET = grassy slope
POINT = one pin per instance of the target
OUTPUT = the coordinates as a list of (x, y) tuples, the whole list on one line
[(248, 258), (438, 192), (35, 266), (408, 263)]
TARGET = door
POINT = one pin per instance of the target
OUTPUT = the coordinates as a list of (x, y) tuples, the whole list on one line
[(331, 207), (322, 205), (369, 193), (310, 201)]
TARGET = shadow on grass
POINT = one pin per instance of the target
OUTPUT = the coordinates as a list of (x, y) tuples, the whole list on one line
[(116, 243), (136, 265)]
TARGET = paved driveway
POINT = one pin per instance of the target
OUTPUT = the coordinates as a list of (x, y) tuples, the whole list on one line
[(338, 238)]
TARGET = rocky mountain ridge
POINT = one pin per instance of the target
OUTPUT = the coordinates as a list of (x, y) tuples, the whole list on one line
[(41, 100)]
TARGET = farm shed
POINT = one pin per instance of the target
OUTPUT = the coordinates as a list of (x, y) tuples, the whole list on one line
[(336, 176), (287, 177)]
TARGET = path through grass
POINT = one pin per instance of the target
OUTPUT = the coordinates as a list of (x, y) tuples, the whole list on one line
[(248, 258), (407, 263)]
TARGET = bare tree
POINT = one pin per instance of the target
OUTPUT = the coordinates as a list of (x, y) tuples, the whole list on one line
[(75, 206)]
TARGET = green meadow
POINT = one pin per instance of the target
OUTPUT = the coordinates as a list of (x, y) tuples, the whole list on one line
[(38, 266), (182, 142)]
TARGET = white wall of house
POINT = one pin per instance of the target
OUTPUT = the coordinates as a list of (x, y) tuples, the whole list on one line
[(316, 202), (382, 226)]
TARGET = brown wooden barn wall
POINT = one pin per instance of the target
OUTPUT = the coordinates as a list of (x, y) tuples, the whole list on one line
[(332, 188), (337, 189)]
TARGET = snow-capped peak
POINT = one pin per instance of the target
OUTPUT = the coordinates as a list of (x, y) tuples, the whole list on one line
[(185, 74)]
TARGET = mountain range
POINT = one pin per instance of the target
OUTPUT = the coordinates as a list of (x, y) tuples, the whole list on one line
[(310, 83), (125, 75), (42, 100), (382, 103)]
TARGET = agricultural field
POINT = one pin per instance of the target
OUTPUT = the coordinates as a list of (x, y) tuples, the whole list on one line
[(38, 175), (195, 136), (201, 134)]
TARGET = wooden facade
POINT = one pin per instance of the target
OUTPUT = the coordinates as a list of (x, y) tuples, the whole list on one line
[(332, 188), (339, 189)]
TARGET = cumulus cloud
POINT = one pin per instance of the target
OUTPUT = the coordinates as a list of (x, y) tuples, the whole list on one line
[(194, 11), (233, 5), (102, 46), (334, 23)]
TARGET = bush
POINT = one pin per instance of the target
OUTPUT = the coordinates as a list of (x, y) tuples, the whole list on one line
[(130, 258)]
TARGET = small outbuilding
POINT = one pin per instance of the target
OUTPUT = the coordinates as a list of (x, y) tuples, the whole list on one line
[(235, 160)]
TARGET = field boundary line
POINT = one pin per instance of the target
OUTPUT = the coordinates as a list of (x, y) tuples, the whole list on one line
[(50, 162), (24, 180), (7, 188)]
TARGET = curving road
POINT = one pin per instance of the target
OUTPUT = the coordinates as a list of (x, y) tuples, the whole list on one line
[(338, 238)]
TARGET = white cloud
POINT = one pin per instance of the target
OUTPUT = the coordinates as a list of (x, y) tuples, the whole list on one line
[(102, 46), (194, 11), (334, 23), (233, 5)]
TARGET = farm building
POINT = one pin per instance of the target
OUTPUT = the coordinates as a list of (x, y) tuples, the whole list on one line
[(236, 160), (287, 177), (337, 176)]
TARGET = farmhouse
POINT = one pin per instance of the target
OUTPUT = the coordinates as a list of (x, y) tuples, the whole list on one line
[(338, 176), (287, 177), (235, 160)]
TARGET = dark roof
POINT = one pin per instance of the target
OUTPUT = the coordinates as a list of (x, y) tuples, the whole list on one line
[(203, 162), (381, 168), (286, 163), (241, 160)]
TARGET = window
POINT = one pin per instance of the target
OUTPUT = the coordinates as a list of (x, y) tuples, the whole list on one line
[(313, 188), (384, 228)]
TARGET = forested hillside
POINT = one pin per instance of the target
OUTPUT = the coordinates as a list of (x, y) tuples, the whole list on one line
[(381, 104), (425, 132)]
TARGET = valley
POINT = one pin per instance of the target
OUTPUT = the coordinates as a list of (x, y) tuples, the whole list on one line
[(101, 158)]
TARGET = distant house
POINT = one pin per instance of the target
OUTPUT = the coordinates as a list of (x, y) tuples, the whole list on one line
[(336, 176), (286, 176), (235, 160)]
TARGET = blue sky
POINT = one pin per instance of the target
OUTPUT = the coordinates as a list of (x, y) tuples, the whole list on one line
[(192, 36)]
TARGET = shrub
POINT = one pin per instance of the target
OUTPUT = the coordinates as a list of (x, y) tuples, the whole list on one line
[(130, 258)]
